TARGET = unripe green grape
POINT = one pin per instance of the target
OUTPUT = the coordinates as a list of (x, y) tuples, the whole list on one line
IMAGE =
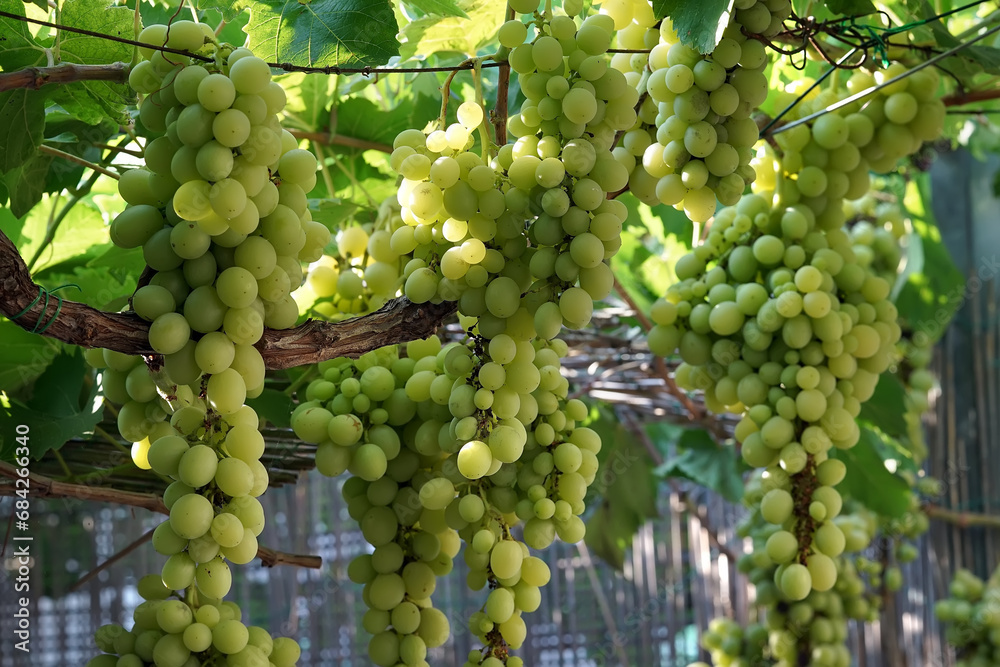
[(226, 391), (250, 75), (776, 506), (197, 466)]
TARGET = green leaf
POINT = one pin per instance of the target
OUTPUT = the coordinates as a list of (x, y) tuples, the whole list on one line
[(627, 489), (59, 409), (88, 99), (82, 235), (229, 9), (361, 118), (19, 47), (99, 287), (57, 391), (440, 7), (23, 356), (868, 480), (22, 123), (48, 432), (274, 406), (704, 462), (434, 34), (886, 407), (851, 7), (698, 24), (309, 98), (321, 33), (27, 183), (928, 300)]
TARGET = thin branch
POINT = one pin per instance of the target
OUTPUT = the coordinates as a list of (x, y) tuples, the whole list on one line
[(146, 537), (672, 388), (327, 139), (35, 77), (958, 99), (398, 321), (44, 487), (961, 519), (55, 152)]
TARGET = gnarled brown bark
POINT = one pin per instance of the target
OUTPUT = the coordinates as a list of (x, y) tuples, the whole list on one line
[(398, 321)]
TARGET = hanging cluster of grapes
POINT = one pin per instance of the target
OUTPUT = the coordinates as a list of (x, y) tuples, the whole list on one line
[(220, 213), (783, 315)]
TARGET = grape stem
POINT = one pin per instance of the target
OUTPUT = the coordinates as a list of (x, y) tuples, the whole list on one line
[(46, 487)]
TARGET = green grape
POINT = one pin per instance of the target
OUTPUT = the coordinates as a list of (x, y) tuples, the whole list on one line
[(170, 651), (178, 571), (368, 462), (191, 516), (214, 578), (197, 466), (796, 581), (226, 391), (165, 454), (776, 506), (506, 559), (230, 636), (250, 75)]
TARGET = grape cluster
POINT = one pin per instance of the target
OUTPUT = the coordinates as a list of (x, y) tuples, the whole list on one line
[(970, 616), (170, 631), (452, 443), (773, 318), (728, 643), (692, 143), (363, 274), (221, 215)]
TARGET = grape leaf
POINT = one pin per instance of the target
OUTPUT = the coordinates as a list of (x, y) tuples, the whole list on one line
[(27, 183), (83, 228), (627, 490), (885, 407), (18, 47), (850, 7), (929, 299), (434, 34), (86, 99), (321, 33), (274, 406), (229, 9), (22, 123), (703, 461), (23, 356), (439, 7), (361, 118), (698, 24), (868, 480)]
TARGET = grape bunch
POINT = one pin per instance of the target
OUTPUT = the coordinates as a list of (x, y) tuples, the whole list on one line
[(170, 631), (452, 443), (774, 319), (728, 643), (221, 215), (970, 614), (692, 143), (363, 274)]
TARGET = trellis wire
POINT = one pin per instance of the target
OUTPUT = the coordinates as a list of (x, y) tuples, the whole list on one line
[(868, 91)]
